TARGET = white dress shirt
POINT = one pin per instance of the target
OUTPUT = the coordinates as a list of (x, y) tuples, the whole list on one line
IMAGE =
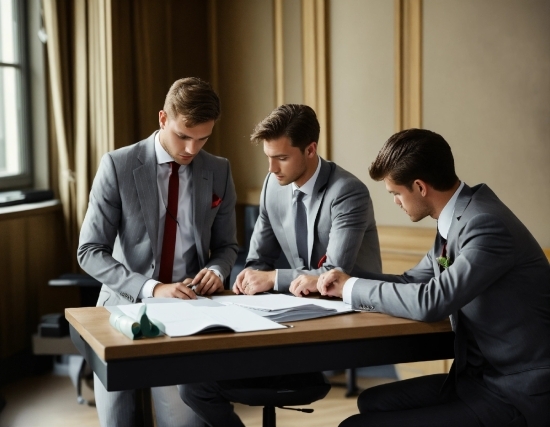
[(443, 226), (186, 263), (307, 189)]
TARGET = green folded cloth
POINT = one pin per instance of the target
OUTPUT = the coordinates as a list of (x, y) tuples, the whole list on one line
[(141, 327)]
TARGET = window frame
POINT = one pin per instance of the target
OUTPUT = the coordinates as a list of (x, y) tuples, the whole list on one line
[(24, 179)]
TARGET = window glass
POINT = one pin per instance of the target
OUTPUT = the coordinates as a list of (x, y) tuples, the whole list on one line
[(14, 156)]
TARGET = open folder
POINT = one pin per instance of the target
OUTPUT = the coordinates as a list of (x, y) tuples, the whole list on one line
[(190, 317)]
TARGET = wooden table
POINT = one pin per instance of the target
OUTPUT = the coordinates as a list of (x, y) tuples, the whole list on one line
[(330, 343)]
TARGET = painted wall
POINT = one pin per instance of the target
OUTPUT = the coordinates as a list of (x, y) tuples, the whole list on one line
[(361, 68), (486, 89)]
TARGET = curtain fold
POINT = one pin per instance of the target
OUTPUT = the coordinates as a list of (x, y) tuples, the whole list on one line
[(79, 65)]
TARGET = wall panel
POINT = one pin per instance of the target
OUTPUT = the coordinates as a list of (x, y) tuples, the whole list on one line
[(487, 91)]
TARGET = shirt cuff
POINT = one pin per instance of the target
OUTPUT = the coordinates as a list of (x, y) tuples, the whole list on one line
[(147, 289), (348, 287), (276, 282)]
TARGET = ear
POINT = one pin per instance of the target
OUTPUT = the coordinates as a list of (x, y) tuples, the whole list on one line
[(311, 150), (162, 118), (421, 186)]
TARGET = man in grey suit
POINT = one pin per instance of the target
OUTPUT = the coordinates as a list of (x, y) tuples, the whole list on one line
[(339, 228), (161, 218), (486, 271), (333, 227)]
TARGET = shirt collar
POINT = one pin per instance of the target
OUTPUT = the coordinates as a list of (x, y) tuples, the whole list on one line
[(307, 188), (446, 216), (162, 155)]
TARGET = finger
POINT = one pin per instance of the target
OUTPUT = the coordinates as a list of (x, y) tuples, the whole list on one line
[(207, 281), (236, 289), (321, 286), (295, 287), (240, 276), (199, 284), (303, 288), (186, 293), (187, 281), (238, 285), (198, 278), (214, 286)]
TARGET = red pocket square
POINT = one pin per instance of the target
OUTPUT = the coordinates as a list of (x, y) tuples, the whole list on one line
[(322, 261), (215, 201)]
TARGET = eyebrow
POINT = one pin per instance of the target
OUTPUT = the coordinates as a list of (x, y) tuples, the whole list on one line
[(181, 134), (277, 155)]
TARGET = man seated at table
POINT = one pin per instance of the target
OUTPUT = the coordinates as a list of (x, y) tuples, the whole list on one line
[(315, 212), (161, 218), (486, 271)]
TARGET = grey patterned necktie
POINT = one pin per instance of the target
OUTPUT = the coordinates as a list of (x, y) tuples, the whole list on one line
[(300, 227)]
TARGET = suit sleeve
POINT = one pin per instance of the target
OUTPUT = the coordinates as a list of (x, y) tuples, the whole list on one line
[(485, 254), (223, 237), (349, 220), (264, 248), (99, 232)]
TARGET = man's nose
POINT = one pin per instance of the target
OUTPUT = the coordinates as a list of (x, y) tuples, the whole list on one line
[(272, 166), (193, 146)]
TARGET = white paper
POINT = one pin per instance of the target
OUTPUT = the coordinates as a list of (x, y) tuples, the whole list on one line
[(285, 308), (186, 318)]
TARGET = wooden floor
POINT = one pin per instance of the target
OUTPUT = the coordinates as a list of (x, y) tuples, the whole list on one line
[(50, 401)]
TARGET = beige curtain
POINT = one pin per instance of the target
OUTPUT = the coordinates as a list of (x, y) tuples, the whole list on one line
[(314, 50), (80, 90)]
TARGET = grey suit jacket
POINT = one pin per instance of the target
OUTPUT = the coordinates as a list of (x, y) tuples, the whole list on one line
[(497, 291), (344, 229), (119, 235)]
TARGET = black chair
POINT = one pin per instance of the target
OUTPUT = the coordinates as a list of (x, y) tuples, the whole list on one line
[(281, 392)]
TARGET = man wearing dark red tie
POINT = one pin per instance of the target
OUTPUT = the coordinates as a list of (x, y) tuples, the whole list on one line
[(486, 271), (161, 222)]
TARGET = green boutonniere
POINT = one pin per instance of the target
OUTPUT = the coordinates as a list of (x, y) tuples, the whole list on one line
[(444, 261)]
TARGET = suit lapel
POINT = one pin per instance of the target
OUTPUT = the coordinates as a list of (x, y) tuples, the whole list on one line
[(319, 189), (462, 202), (202, 181), (317, 196), (145, 177)]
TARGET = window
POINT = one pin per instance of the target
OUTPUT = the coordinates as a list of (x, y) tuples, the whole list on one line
[(15, 156)]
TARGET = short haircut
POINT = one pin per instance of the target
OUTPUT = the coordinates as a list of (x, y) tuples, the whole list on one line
[(295, 121), (416, 154), (194, 99)]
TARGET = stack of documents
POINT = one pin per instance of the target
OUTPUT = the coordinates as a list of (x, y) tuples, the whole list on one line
[(284, 308)]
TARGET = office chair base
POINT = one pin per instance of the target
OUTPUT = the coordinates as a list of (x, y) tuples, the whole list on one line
[(269, 419)]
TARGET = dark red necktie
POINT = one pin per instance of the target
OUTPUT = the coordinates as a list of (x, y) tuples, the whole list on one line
[(170, 227)]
